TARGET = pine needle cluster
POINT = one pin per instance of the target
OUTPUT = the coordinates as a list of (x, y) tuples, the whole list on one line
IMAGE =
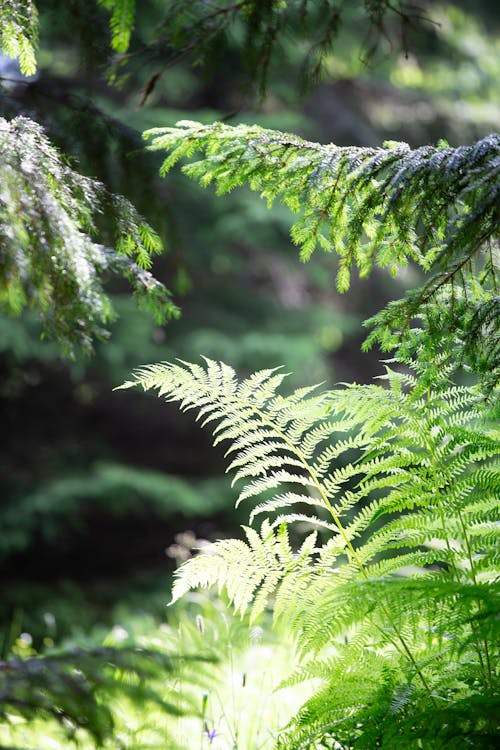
[(196, 31), (122, 22), (392, 593)]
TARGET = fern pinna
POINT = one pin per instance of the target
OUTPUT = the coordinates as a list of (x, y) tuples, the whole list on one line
[(392, 594)]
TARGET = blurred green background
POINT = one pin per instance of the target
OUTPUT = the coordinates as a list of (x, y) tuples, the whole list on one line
[(96, 486)]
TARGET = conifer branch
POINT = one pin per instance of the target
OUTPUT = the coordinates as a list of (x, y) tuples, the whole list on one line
[(436, 207), (49, 255), (365, 204), (19, 32), (197, 27)]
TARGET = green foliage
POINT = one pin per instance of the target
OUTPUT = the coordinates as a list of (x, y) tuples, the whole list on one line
[(396, 586), (194, 30), (111, 489), (225, 684), (390, 599), (19, 32), (457, 323), (50, 259), (74, 687), (242, 707), (198, 31), (121, 22), (434, 206), (347, 193)]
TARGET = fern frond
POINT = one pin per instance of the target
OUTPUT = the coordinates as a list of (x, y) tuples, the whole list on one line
[(250, 572), (402, 484)]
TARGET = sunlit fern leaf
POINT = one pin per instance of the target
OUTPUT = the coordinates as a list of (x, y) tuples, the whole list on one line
[(50, 256), (254, 419), (250, 572), (401, 482)]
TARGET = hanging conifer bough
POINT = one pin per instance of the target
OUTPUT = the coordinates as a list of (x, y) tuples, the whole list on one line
[(196, 30), (437, 207), (19, 32), (121, 22), (49, 256)]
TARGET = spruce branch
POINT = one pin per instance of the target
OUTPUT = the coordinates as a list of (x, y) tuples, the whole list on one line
[(50, 257), (435, 207), (19, 33)]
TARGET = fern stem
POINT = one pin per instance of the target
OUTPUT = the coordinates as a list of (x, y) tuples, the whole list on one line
[(317, 484), (351, 549), (489, 674), (430, 446), (455, 575)]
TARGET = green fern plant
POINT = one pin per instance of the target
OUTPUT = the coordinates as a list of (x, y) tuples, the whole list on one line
[(392, 594)]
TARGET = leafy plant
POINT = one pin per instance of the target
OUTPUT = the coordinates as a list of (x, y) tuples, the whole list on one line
[(392, 597), (241, 707), (203, 679), (78, 688)]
